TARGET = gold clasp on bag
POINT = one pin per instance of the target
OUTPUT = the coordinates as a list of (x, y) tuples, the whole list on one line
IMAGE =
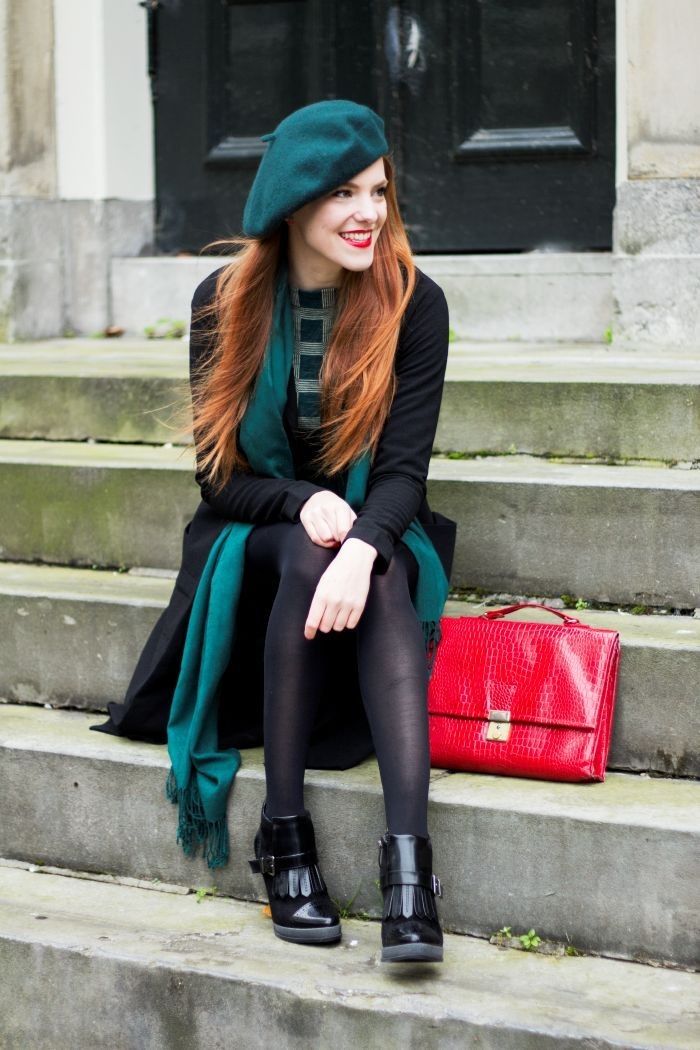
[(499, 726)]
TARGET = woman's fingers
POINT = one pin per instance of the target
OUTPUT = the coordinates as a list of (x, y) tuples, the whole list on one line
[(329, 614), (312, 531), (314, 619), (326, 518), (314, 535), (341, 593), (344, 521), (326, 618)]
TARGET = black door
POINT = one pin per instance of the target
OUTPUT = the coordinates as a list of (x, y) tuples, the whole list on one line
[(500, 112)]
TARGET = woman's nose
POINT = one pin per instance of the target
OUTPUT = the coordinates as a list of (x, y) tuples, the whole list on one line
[(367, 209)]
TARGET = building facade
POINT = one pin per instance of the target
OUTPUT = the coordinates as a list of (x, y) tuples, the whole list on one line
[(535, 143)]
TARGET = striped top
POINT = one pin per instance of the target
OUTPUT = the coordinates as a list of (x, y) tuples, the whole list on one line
[(314, 313)]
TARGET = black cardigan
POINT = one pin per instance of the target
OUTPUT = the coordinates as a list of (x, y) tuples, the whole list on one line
[(396, 486), (396, 494)]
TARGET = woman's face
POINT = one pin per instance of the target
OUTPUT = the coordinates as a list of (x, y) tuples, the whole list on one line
[(339, 231)]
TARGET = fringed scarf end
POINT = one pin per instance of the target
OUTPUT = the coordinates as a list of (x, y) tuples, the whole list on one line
[(431, 638), (193, 828)]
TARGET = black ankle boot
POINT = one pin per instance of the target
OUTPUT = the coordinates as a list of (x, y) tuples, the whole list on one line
[(410, 925), (285, 855)]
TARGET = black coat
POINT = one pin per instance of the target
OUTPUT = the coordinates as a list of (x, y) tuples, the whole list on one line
[(395, 495)]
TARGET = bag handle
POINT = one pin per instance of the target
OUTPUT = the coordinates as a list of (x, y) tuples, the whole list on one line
[(570, 621)]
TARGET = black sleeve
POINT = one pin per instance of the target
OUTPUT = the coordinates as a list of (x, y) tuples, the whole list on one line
[(245, 497), (396, 486)]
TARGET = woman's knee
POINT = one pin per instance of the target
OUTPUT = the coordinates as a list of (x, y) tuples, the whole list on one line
[(393, 585), (302, 559)]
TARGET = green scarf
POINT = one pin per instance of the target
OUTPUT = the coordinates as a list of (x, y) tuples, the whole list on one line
[(202, 774)]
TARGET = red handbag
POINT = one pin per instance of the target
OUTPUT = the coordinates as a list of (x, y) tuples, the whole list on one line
[(523, 699)]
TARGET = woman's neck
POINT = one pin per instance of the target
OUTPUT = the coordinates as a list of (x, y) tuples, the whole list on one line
[(309, 277)]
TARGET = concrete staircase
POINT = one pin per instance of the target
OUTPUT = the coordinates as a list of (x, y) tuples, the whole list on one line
[(574, 475)]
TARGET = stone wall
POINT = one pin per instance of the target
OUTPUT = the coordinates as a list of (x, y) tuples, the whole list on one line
[(76, 166), (656, 270), (27, 126)]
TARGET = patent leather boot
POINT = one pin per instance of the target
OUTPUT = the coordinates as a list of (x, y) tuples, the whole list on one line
[(285, 855), (410, 925)]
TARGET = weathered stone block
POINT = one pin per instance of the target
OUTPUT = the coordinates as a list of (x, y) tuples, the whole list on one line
[(616, 534), (658, 217), (189, 975), (73, 636), (572, 860), (657, 300)]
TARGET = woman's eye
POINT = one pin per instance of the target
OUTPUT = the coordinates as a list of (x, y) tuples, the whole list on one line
[(341, 193), (381, 191)]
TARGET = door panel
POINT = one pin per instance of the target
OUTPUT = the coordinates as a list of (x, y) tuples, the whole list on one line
[(499, 112), (509, 126), (227, 73)]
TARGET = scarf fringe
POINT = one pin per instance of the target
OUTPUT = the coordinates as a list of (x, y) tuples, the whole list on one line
[(298, 882), (193, 828), (409, 902), (431, 636)]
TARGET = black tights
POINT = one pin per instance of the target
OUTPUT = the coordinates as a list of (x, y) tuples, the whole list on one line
[(392, 674)]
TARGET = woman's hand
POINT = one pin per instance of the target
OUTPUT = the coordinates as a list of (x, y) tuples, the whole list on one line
[(327, 518), (342, 591)]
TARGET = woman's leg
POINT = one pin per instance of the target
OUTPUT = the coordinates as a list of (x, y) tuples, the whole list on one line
[(393, 674), (285, 844), (294, 667), (394, 677)]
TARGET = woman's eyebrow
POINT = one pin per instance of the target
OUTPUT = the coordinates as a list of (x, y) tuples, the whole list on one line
[(354, 185)]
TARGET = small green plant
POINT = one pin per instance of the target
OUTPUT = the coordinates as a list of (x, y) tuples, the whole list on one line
[(345, 909), (574, 603), (165, 328), (571, 950), (202, 892), (505, 931), (530, 941)]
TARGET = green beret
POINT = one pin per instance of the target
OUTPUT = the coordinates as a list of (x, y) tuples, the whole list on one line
[(309, 153)]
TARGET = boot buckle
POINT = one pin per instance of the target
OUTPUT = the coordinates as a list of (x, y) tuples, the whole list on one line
[(436, 886), (267, 865)]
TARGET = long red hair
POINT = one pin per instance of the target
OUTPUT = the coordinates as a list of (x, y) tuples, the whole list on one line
[(357, 378)]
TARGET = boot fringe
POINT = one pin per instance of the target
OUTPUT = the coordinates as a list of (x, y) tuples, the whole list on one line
[(298, 882), (408, 902)]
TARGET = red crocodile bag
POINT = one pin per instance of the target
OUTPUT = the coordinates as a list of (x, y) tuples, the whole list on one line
[(521, 698)]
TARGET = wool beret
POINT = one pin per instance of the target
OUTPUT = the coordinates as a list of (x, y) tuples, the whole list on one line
[(309, 153)]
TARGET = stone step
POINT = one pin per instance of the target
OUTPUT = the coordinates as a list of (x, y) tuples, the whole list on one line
[(101, 504), (571, 401), (189, 974), (526, 526), (73, 637), (560, 296), (105, 389), (609, 867), (542, 399), (613, 534)]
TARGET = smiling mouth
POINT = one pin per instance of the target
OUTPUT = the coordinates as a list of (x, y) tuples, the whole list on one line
[(358, 238)]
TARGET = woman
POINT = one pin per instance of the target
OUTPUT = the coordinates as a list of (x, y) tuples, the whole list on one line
[(318, 358)]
